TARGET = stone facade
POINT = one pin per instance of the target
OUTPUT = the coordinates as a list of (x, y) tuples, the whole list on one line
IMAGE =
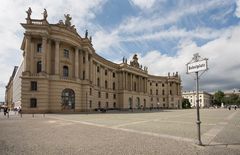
[(61, 72)]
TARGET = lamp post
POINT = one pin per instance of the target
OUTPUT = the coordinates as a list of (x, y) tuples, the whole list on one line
[(196, 65)]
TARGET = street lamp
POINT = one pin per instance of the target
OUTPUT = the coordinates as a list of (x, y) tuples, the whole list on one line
[(196, 65)]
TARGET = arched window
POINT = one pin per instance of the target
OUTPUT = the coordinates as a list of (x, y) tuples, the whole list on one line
[(68, 99), (65, 71), (39, 66)]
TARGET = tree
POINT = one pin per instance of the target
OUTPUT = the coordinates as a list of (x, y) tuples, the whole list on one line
[(186, 104), (218, 98)]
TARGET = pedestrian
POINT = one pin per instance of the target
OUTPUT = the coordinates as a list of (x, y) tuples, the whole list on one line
[(235, 107), (5, 110), (229, 107)]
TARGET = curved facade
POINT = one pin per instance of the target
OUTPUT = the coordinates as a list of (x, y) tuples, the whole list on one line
[(62, 73)]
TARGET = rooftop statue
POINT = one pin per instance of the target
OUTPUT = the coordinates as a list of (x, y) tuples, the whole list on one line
[(68, 20), (45, 15), (134, 62), (29, 12)]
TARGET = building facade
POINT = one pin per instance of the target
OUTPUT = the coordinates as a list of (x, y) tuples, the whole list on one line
[(205, 99), (61, 72)]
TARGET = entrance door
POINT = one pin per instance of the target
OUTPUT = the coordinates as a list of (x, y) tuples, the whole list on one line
[(68, 99)]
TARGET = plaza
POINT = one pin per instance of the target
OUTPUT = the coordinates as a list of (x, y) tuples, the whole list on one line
[(149, 132)]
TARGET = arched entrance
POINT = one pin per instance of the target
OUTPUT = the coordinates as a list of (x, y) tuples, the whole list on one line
[(68, 99)]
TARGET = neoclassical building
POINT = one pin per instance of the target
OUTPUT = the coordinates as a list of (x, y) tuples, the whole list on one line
[(61, 72)]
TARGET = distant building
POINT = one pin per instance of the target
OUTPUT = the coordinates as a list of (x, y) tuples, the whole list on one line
[(236, 91), (205, 99), (61, 72)]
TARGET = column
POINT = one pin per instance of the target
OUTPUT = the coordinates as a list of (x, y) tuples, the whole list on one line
[(27, 53), (33, 63), (86, 66), (91, 69), (49, 57), (57, 57), (44, 51), (81, 64), (76, 63)]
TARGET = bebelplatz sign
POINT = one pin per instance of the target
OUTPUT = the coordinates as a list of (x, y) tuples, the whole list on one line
[(197, 66)]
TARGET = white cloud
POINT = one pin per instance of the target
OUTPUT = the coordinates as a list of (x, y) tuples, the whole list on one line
[(143, 4), (237, 13), (223, 54)]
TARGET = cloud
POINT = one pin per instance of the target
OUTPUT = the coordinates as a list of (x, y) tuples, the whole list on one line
[(223, 62), (11, 32), (237, 12), (143, 4)]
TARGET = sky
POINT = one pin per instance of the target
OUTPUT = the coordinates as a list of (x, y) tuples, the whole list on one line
[(164, 33)]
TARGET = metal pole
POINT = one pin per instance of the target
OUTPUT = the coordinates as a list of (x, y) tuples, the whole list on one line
[(198, 114), (86, 104)]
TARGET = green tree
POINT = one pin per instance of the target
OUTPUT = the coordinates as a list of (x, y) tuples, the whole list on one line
[(218, 98), (186, 104)]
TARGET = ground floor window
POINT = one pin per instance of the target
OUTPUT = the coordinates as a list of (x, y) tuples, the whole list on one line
[(33, 103)]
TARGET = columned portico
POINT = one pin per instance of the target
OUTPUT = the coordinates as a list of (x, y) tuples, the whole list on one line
[(57, 57)]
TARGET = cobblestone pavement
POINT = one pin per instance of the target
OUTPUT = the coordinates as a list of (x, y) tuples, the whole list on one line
[(150, 133)]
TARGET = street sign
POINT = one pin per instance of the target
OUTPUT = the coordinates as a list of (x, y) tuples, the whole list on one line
[(197, 66)]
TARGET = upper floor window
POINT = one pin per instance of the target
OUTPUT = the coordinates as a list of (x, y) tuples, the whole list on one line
[(150, 83), (114, 96), (98, 69), (156, 84), (33, 85), (113, 74), (106, 95), (90, 91), (106, 72), (113, 85), (106, 84), (163, 85), (150, 91), (170, 84), (84, 60), (65, 71), (156, 91), (170, 92), (39, 66), (33, 103), (163, 92), (98, 82), (39, 47), (66, 53)]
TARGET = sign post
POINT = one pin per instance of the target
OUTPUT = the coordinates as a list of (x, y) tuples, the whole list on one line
[(194, 66)]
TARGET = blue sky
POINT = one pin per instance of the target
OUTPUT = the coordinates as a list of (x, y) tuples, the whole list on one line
[(164, 33)]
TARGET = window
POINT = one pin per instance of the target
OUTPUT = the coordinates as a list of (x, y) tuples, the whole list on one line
[(33, 85), (106, 95), (106, 84), (150, 83), (114, 105), (150, 91), (113, 85), (156, 84), (163, 99), (170, 92), (162, 84), (98, 69), (99, 104), (106, 104), (90, 104), (163, 92), (68, 99), (66, 53), (158, 99), (156, 91), (99, 94), (90, 92), (65, 71), (106, 72), (33, 103), (98, 82), (114, 96), (83, 75), (135, 86), (170, 84), (84, 60), (39, 66), (113, 75), (39, 47), (151, 99)]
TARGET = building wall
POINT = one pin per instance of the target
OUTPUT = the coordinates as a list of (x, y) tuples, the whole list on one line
[(17, 87), (94, 81), (205, 98)]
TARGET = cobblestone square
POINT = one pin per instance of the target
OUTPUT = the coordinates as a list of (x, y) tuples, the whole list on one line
[(156, 132)]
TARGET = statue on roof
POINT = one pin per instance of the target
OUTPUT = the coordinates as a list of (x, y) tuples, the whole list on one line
[(45, 15), (29, 12), (68, 20), (134, 62)]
